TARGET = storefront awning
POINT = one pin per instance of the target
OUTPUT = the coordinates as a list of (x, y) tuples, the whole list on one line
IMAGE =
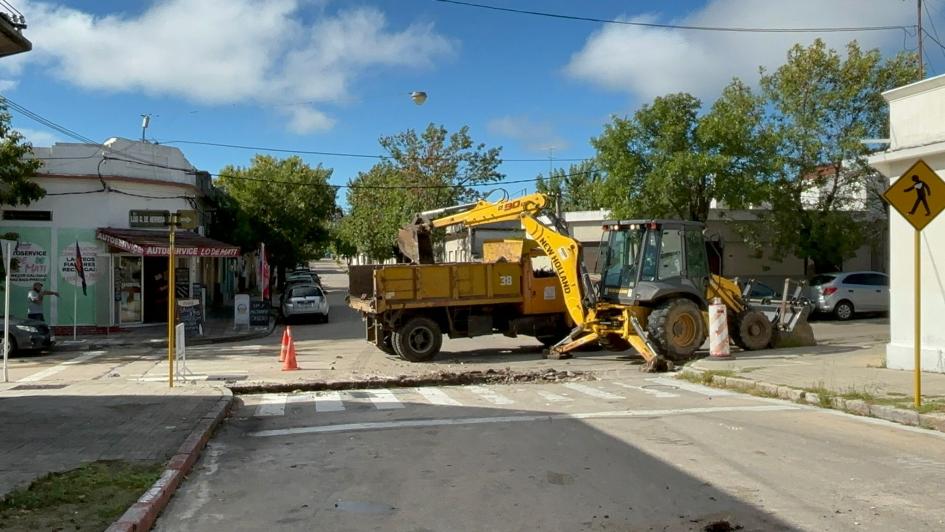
[(155, 243)]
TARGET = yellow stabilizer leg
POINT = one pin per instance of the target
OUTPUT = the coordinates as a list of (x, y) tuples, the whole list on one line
[(559, 351)]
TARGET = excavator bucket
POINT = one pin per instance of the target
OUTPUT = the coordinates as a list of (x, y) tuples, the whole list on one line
[(416, 243), (796, 331)]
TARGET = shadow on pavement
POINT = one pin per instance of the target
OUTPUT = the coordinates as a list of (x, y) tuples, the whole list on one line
[(554, 474), (54, 430)]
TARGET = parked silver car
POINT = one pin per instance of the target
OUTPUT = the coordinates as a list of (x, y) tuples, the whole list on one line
[(27, 335), (303, 300), (845, 294)]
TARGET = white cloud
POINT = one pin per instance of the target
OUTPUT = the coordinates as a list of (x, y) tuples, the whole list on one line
[(38, 138), (228, 51), (650, 62), (535, 136), (306, 120)]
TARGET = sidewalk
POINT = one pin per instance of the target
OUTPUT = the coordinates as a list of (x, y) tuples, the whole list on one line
[(61, 427), (852, 378), (840, 369), (216, 330)]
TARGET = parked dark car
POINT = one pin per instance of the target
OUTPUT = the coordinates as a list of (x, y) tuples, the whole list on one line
[(27, 335)]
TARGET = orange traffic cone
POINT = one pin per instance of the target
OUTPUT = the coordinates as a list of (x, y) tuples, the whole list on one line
[(290, 364), (285, 343)]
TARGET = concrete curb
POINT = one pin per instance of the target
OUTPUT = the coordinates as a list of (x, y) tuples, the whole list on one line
[(851, 406), (440, 378), (142, 514), (93, 346)]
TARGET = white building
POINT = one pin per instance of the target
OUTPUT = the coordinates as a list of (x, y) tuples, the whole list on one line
[(916, 131), (90, 193)]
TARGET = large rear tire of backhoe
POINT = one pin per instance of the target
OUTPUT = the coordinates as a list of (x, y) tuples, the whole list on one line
[(418, 340), (677, 329), (752, 330)]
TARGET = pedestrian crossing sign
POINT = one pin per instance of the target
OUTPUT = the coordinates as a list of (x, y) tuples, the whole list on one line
[(918, 195)]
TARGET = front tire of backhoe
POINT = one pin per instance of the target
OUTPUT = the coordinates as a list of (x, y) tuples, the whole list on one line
[(752, 330), (418, 340), (677, 329)]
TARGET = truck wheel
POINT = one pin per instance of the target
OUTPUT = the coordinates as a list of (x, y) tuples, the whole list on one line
[(677, 329), (387, 344), (751, 330), (418, 340)]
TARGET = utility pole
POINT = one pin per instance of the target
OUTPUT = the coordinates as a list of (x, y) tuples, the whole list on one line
[(171, 304), (919, 35)]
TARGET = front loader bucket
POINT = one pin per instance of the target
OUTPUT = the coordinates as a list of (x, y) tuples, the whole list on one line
[(797, 331), (416, 243)]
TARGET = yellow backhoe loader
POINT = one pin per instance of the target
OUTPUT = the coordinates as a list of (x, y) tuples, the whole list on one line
[(654, 290)]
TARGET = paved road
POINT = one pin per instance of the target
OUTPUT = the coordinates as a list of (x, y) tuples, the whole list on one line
[(337, 350), (629, 454)]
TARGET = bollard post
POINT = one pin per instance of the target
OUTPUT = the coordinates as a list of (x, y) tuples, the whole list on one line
[(718, 332)]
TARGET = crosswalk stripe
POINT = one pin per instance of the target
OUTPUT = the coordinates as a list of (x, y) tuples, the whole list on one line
[(437, 397), (553, 397), (297, 398), (593, 392), (271, 404), (490, 395), (384, 399), (683, 385), (328, 402), (649, 391)]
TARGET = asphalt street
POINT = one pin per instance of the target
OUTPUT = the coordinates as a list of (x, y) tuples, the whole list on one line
[(639, 453)]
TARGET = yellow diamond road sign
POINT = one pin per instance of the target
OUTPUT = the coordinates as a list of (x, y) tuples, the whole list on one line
[(918, 195)]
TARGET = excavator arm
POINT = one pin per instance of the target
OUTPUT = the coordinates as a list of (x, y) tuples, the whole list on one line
[(562, 250)]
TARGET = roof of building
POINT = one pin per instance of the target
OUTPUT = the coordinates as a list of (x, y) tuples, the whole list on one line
[(117, 157)]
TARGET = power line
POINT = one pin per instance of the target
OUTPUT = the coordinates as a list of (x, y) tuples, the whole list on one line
[(328, 153), (85, 140), (671, 26), (328, 185), (133, 160), (936, 41)]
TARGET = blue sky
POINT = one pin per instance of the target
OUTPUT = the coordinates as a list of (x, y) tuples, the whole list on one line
[(335, 75)]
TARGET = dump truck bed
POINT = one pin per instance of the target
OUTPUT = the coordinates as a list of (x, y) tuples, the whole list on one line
[(375, 289)]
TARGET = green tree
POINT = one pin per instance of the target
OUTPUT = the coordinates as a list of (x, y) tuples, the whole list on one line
[(284, 202), (579, 187), (667, 161), (17, 167), (424, 171), (822, 104)]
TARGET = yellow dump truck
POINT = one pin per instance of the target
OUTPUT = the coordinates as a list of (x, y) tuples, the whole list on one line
[(408, 307)]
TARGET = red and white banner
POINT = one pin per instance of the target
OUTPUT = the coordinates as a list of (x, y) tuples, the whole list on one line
[(264, 270)]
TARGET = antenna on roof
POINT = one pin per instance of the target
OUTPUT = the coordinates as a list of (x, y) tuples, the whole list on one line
[(145, 122)]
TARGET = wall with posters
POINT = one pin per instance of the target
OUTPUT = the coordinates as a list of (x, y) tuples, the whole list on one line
[(33, 255), (70, 285)]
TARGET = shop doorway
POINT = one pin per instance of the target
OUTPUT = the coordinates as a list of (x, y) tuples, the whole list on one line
[(155, 289), (128, 285)]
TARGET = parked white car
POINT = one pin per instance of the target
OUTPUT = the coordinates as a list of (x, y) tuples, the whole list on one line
[(305, 300), (845, 294)]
